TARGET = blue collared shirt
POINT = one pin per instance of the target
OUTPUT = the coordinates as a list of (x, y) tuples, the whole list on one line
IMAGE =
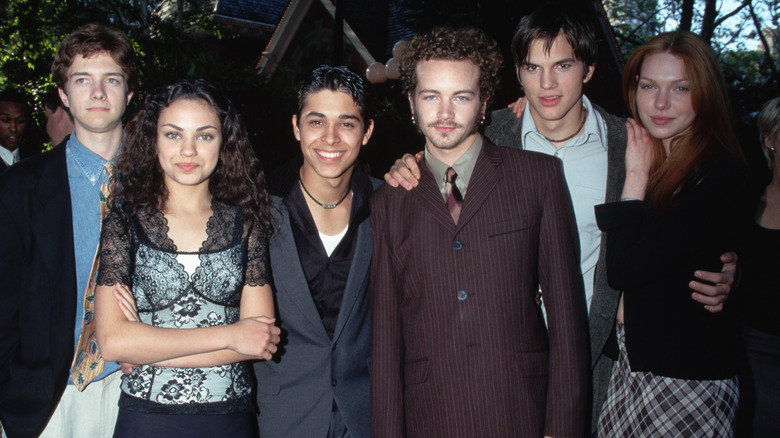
[(585, 167), (85, 176)]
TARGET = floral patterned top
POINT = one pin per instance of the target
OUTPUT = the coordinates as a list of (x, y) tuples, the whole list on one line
[(185, 290)]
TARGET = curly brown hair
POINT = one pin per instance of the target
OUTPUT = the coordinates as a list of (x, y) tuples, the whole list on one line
[(443, 43), (238, 178)]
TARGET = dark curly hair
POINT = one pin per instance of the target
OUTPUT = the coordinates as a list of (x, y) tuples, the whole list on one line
[(238, 178), (443, 43)]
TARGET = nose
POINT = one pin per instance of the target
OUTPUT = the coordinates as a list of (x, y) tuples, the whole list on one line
[(661, 100), (547, 80), (331, 135), (98, 92), (188, 148), (445, 110)]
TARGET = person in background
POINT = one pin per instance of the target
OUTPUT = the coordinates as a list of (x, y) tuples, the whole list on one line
[(676, 370), (760, 286), (59, 122), (14, 120)]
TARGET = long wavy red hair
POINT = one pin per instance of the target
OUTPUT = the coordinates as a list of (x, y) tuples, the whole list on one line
[(711, 135)]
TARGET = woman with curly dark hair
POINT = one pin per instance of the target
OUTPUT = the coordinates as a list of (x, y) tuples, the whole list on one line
[(183, 291)]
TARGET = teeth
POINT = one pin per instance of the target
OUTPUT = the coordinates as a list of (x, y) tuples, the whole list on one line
[(330, 154)]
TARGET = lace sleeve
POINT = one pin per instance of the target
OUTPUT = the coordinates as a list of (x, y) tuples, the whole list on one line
[(257, 258), (115, 251)]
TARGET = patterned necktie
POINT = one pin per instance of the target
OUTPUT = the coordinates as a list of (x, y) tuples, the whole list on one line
[(454, 198), (88, 363)]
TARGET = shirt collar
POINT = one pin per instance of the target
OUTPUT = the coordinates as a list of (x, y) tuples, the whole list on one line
[(90, 163), (464, 166), (9, 157), (592, 127)]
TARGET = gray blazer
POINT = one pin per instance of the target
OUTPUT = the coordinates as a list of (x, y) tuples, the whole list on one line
[(297, 389), (505, 130)]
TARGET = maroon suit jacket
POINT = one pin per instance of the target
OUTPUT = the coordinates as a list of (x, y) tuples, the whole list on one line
[(459, 345)]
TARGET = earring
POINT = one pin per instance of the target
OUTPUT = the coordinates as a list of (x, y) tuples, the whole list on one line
[(413, 121), (482, 122), (772, 149)]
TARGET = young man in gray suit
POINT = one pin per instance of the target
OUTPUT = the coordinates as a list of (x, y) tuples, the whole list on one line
[(318, 386), (555, 54)]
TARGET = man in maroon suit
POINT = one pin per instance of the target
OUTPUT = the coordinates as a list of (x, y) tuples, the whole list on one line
[(459, 344)]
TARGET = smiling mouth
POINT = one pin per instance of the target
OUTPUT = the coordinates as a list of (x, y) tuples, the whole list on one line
[(330, 155)]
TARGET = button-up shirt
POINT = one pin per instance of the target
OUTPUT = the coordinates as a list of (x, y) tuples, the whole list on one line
[(463, 166), (585, 167), (85, 176)]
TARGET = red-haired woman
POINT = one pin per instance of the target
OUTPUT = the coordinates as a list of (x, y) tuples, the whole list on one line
[(681, 208)]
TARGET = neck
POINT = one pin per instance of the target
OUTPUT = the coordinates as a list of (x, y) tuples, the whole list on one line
[(105, 144), (188, 199), (326, 190), (564, 127)]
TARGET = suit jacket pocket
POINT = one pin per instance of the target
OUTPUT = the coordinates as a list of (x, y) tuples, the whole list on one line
[(268, 388), (512, 225), (416, 372), (532, 363)]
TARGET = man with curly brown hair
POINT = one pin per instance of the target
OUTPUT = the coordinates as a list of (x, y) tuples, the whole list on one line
[(459, 344)]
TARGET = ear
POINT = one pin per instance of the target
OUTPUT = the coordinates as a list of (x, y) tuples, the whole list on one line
[(588, 73), (129, 96), (519, 79), (63, 97), (369, 130), (769, 142), (296, 129)]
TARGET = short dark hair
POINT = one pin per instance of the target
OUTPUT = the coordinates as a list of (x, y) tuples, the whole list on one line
[(549, 21), (15, 96), (51, 99), (443, 43), (339, 78), (90, 40)]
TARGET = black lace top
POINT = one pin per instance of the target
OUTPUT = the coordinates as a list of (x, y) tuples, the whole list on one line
[(185, 290)]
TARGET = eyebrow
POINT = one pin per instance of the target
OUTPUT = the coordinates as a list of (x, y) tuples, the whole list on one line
[(202, 128), (430, 90), (341, 116), (84, 73)]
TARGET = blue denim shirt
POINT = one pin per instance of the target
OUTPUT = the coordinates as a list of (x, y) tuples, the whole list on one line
[(85, 176)]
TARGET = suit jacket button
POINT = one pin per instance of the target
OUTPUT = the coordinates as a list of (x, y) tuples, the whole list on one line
[(462, 295), (333, 382), (457, 245)]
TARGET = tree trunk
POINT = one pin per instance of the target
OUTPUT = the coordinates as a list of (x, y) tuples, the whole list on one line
[(708, 20), (686, 14)]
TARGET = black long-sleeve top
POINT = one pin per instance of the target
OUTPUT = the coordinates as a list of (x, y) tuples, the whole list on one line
[(652, 256)]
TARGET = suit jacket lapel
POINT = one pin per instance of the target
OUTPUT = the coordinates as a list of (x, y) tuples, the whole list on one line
[(287, 264), (358, 271), (487, 172), (427, 193)]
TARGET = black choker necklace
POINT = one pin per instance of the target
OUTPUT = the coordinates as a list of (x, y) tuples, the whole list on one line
[(325, 206), (584, 117)]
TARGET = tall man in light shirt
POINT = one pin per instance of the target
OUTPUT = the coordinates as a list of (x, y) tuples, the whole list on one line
[(555, 52), (50, 217)]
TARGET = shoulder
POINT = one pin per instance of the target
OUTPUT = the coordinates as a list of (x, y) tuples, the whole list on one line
[(504, 128), (25, 176), (522, 157)]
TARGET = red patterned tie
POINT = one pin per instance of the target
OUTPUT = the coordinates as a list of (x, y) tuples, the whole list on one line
[(454, 198), (88, 363)]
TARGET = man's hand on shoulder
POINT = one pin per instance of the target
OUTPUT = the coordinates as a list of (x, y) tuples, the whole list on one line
[(405, 172), (715, 287)]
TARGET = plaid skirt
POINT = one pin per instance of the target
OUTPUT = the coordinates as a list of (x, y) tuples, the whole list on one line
[(641, 404)]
